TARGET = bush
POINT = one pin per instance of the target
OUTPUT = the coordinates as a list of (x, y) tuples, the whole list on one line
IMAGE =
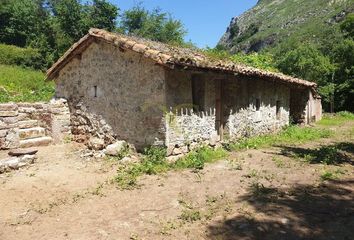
[(25, 57)]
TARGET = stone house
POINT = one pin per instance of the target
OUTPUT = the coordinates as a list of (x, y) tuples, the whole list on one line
[(149, 93)]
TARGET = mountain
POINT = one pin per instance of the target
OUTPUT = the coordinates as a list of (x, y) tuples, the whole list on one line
[(271, 22)]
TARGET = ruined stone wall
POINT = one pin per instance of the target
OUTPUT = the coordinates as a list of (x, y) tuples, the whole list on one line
[(241, 117), (121, 88), (27, 124), (186, 127)]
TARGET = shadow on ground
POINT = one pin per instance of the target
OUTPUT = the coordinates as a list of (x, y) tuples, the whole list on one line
[(338, 153), (302, 212)]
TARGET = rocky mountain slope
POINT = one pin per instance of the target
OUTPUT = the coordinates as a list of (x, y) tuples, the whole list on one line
[(274, 21)]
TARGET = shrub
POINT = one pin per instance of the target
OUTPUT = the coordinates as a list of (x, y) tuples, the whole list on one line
[(25, 57)]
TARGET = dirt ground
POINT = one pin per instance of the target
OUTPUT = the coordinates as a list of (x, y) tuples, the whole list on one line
[(269, 193)]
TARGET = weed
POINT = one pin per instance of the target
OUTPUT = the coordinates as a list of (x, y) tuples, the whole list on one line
[(191, 215), (328, 175), (196, 159), (258, 190), (253, 174), (236, 166), (167, 227), (154, 162), (278, 162)]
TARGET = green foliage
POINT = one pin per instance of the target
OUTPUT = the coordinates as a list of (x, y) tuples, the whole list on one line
[(103, 15), (155, 25), (25, 57), (306, 62), (347, 25), (23, 85), (51, 26), (291, 135), (263, 61)]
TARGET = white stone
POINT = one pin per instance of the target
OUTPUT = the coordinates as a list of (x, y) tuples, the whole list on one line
[(35, 142), (116, 148), (28, 159), (2, 167), (8, 113), (96, 143), (214, 139), (12, 163), (172, 159), (177, 151)]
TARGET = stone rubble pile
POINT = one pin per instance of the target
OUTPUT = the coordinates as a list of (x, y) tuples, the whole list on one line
[(18, 159)]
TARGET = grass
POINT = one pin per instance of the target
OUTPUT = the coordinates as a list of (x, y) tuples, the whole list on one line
[(154, 162), (336, 119), (290, 135), (23, 85)]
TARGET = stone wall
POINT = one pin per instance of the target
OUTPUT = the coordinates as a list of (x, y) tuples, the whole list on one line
[(189, 123), (185, 129), (24, 124), (185, 126), (122, 88), (241, 116)]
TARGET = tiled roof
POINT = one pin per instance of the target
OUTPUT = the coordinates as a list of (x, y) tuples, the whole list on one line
[(169, 56)]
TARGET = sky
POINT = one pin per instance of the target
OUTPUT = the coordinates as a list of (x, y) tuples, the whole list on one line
[(205, 20)]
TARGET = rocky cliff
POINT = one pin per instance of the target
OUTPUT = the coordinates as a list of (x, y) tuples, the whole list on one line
[(274, 21)]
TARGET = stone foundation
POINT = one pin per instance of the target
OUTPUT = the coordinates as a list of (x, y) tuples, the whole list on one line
[(31, 124)]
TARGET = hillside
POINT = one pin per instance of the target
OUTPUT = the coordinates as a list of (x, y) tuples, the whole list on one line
[(273, 21), (18, 84)]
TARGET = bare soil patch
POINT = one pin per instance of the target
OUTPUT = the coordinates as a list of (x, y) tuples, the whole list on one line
[(271, 193)]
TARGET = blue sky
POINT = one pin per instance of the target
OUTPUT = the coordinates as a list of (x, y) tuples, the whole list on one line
[(205, 20)]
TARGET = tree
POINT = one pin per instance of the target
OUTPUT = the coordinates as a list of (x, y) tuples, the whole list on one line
[(343, 57), (155, 25), (306, 62), (103, 15)]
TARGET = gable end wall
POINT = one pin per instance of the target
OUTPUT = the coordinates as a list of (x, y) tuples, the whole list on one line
[(130, 94)]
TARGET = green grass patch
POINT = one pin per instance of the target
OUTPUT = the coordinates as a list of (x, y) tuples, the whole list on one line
[(290, 135), (336, 119), (328, 175), (154, 162), (23, 85)]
